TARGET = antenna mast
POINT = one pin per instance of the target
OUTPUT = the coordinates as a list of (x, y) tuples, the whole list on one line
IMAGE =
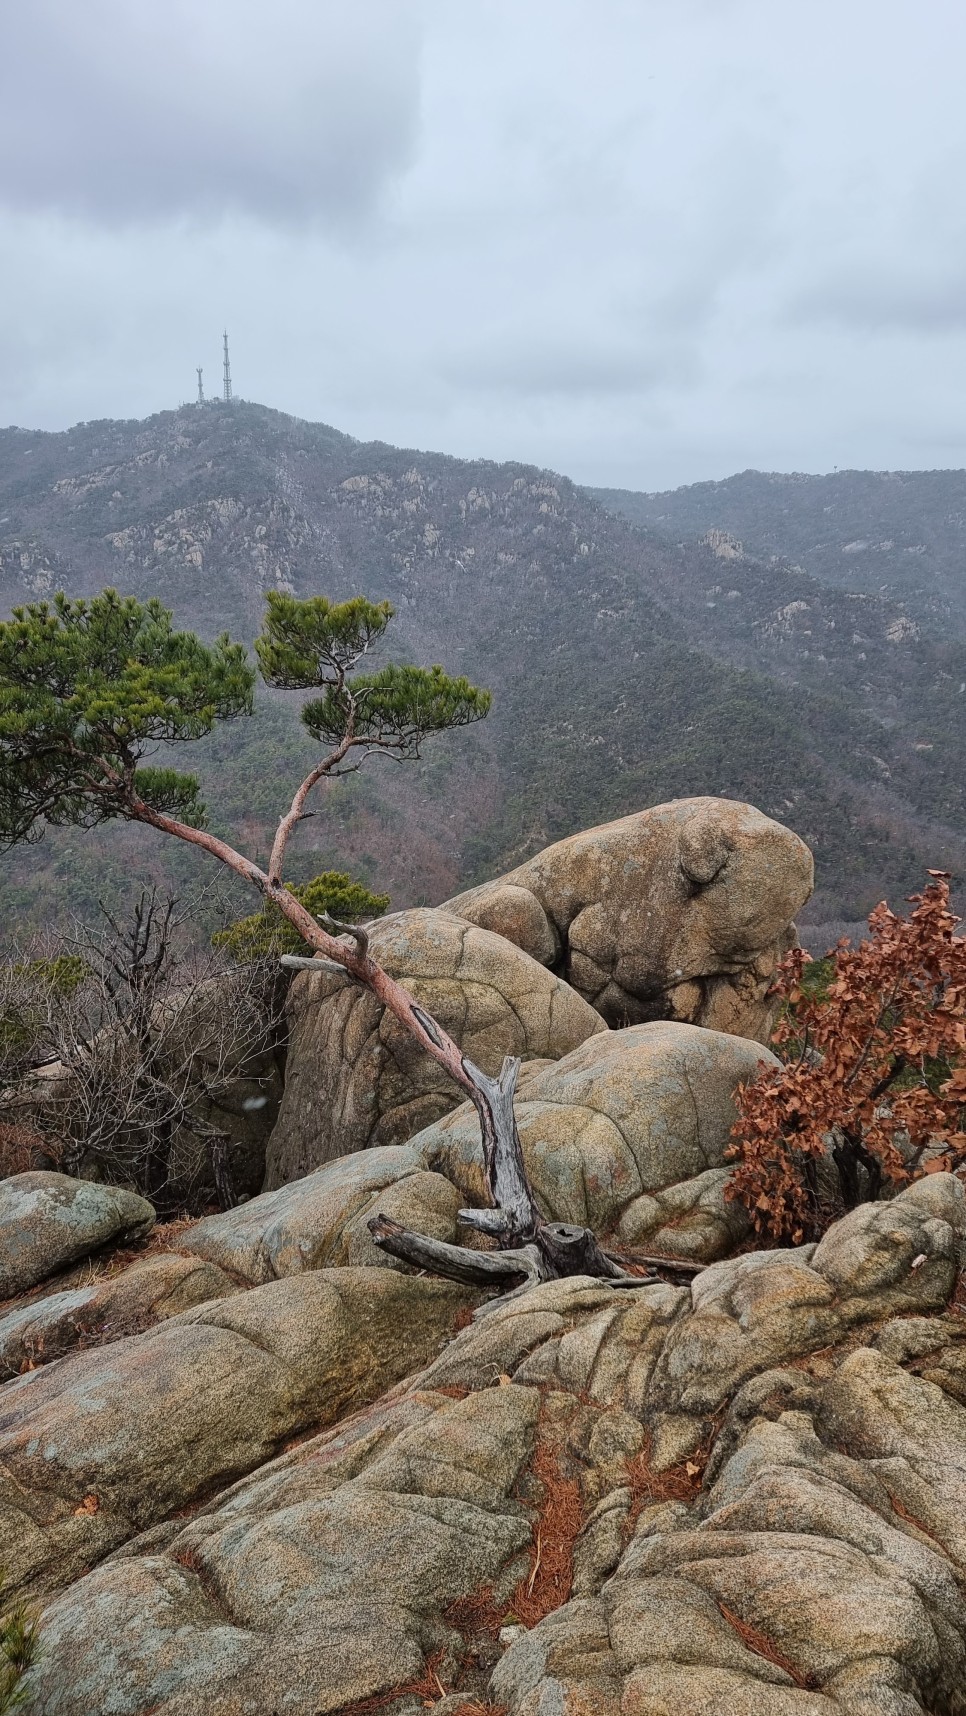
[(227, 374), (201, 391)]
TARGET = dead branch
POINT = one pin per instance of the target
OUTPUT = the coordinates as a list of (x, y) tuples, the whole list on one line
[(503, 1269), (551, 1250)]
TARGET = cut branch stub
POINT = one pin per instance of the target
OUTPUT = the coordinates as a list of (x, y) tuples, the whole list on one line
[(495, 1223), (575, 1251), (360, 936)]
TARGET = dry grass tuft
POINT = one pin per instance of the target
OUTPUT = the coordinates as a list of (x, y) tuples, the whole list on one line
[(164, 1236)]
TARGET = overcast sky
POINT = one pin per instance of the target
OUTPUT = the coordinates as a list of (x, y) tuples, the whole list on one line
[(645, 242)]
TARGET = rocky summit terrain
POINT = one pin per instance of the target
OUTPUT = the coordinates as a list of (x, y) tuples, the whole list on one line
[(250, 1465), (629, 664)]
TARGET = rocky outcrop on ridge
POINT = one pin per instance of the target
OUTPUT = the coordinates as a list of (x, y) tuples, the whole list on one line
[(355, 1078), (679, 912), (252, 1465), (742, 1496), (626, 1134)]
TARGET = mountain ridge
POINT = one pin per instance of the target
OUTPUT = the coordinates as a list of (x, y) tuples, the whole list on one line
[(901, 534), (616, 684)]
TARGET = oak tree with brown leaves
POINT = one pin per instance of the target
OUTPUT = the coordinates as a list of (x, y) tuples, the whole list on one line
[(872, 1091)]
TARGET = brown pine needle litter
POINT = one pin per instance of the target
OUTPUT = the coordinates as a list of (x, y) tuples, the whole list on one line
[(550, 1579), (762, 1646)]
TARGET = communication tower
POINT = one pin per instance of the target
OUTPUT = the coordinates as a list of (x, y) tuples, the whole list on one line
[(201, 391), (227, 374)]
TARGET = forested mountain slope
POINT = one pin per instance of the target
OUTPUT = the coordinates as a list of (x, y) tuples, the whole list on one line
[(896, 534), (624, 669)]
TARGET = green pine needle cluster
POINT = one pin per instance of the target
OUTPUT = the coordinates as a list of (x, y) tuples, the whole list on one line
[(23, 1010), (316, 643), (266, 934), (397, 707), (89, 689), (306, 643), (19, 1648), (86, 690)]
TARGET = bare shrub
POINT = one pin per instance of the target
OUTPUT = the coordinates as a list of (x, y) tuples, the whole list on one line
[(136, 1065)]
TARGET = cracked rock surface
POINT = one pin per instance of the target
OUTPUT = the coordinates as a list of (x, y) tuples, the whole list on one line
[(104, 1444), (338, 1490)]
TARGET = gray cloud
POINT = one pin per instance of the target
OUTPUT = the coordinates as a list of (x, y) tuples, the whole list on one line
[(555, 367), (909, 302), (902, 268), (127, 110), (640, 241)]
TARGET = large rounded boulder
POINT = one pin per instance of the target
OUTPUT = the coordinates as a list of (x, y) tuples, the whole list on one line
[(678, 912), (49, 1221), (626, 1135), (355, 1078)]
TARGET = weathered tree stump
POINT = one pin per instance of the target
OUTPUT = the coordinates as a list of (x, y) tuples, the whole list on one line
[(529, 1249)]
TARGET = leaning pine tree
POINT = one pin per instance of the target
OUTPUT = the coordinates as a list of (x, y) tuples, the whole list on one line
[(89, 690)]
